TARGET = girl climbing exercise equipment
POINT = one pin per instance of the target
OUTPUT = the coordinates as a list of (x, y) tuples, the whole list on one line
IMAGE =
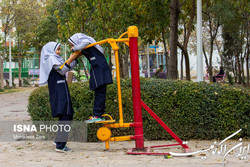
[(104, 133)]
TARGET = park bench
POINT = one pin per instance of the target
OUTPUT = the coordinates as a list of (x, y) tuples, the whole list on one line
[(220, 78)]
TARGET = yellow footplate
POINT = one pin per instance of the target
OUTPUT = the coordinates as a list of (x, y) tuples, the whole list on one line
[(106, 121)]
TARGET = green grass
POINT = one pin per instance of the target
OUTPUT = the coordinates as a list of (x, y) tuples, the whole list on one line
[(12, 90)]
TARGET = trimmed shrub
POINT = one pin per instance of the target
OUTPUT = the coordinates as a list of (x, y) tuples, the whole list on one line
[(192, 110)]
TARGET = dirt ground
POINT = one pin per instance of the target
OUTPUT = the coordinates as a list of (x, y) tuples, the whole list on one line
[(13, 107)]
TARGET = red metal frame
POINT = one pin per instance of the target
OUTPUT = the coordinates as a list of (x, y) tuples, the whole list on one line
[(138, 103), (165, 126), (136, 91)]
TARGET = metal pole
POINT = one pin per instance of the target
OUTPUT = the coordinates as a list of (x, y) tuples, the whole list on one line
[(199, 69), (10, 62), (136, 90), (148, 60)]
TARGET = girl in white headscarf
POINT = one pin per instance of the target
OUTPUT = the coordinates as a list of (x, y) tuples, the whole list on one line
[(100, 73), (60, 101)]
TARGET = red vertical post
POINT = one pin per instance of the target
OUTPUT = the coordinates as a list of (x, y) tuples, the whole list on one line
[(136, 90)]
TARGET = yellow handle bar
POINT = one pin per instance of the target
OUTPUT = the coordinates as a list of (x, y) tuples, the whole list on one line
[(109, 40)]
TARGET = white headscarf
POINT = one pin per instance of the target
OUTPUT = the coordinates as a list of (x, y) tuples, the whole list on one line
[(48, 59), (77, 38)]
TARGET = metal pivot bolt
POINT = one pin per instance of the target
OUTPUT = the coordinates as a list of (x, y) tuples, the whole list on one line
[(104, 134)]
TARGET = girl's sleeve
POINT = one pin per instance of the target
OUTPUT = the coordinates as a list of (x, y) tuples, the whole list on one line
[(73, 64), (66, 67), (81, 46)]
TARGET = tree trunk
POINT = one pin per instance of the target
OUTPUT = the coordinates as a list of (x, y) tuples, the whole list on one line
[(165, 49), (221, 61), (184, 51), (172, 62), (2, 60), (188, 77), (235, 71), (247, 67), (110, 59), (84, 68), (20, 71), (212, 36), (19, 63), (125, 66), (239, 69), (220, 54), (182, 56), (213, 30), (125, 63), (19, 43), (205, 55), (187, 36), (247, 55), (210, 69), (121, 65), (1, 73), (242, 69)]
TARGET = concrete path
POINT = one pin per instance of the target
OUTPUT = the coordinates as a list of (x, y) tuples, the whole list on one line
[(13, 106)]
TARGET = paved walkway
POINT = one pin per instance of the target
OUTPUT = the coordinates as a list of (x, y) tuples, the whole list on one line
[(13, 107)]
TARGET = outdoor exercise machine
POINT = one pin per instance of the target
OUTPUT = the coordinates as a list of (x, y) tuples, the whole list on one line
[(104, 133)]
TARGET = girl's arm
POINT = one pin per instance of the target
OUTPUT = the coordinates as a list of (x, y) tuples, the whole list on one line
[(66, 67), (73, 64)]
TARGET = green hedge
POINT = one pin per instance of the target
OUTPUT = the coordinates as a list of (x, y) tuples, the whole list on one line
[(192, 110)]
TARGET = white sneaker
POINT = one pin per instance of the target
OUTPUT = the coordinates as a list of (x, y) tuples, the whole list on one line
[(64, 150)]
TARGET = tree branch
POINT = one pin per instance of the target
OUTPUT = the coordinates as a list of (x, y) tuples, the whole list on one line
[(203, 48)]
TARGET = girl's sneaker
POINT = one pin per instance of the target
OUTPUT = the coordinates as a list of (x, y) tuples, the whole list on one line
[(93, 119), (64, 150)]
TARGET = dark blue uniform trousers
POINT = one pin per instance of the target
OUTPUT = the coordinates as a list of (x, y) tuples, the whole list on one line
[(62, 136), (100, 98)]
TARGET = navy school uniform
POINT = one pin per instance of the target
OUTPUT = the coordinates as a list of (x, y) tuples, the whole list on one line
[(100, 73), (60, 102), (100, 77)]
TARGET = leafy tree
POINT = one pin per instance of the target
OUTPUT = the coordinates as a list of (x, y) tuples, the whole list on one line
[(157, 20), (99, 19), (46, 30), (187, 21), (154, 20), (30, 13), (233, 40), (211, 13), (24, 16), (7, 14)]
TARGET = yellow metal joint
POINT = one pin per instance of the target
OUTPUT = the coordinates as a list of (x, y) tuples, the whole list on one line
[(113, 44)]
